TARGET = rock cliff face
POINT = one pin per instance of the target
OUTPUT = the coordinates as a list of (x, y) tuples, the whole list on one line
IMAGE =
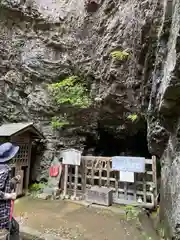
[(44, 41), (163, 121)]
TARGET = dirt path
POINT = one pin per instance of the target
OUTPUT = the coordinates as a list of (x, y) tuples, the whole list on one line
[(74, 221)]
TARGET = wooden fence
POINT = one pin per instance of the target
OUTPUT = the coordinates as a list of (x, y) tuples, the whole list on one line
[(98, 171)]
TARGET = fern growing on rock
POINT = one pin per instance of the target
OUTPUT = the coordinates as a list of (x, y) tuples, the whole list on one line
[(119, 55)]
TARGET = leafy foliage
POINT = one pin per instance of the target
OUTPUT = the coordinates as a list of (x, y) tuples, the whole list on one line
[(133, 117), (70, 91), (120, 55), (58, 122), (131, 212), (37, 187)]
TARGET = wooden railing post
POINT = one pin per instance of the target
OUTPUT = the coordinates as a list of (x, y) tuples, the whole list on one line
[(76, 181), (65, 180), (154, 178)]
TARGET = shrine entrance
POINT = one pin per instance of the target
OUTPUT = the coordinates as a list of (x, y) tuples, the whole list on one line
[(22, 135)]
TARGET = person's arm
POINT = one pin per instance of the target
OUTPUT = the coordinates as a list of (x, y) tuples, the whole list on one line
[(7, 196), (14, 181)]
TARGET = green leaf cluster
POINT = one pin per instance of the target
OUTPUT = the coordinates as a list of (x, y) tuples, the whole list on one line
[(37, 187), (70, 91), (133, 117), (119, 55), (131, 212), (58, 123)]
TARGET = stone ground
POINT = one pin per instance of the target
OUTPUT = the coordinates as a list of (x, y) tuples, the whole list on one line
[(74, 221)]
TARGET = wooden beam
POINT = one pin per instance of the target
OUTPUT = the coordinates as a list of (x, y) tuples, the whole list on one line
[(65, 180), (76, 180)]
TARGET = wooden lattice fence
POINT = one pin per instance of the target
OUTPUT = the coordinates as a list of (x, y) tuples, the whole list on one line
[(98, 171)]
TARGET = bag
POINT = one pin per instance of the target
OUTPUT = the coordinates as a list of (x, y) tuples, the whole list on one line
[(14, 230)]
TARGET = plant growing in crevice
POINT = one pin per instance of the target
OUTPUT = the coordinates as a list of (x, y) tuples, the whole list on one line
[(133, 117), (57, 122), (70, 91), (119, 55)]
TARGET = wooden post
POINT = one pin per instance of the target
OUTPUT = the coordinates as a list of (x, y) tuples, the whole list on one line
[(144, 187), (92, 173), (100, 174), (135, 179), (154, 178), (28, 165), (125, 190), (70, 177), (76, 181), (83, 177), (108, 173), (116, 183), (19, 187), (65, 179)]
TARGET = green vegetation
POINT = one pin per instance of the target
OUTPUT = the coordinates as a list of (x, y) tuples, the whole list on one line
[(35, 187), (58, 123), (70, 91), (131, 212), (120, 55), (133, 117)]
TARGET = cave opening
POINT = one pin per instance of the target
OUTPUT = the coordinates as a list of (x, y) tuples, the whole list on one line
[(115, 144)]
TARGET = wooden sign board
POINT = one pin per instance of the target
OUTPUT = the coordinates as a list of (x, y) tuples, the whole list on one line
[(71, 157), (129, 164), (126, 177)]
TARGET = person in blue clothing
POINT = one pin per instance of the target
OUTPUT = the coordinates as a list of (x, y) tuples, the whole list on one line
[(7, 190)]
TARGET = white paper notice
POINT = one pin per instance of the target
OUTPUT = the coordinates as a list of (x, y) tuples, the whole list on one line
[(71, 157), (126, 177)]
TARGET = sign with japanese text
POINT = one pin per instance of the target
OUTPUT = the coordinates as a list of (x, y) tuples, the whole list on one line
[(128, 164)]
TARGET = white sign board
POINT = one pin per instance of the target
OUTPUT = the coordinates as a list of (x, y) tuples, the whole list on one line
[(126, 177), (71, 157), (129, 164)]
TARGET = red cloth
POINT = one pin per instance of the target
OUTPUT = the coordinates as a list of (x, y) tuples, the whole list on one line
[(54, 171)]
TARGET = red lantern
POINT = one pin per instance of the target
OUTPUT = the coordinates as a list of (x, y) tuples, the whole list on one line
[(54, 171)]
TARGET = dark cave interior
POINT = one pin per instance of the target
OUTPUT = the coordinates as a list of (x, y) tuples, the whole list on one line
[(109, 144)]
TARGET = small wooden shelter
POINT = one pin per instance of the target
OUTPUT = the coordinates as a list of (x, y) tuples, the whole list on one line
[(22, 135)]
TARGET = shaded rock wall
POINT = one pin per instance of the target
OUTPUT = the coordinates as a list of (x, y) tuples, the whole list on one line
[(164, 115)]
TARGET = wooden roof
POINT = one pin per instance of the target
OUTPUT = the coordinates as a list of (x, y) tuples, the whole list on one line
[(11, 129)]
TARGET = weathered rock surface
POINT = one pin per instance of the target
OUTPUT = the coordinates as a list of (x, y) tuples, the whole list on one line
[(43, 41), (164, 115)]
